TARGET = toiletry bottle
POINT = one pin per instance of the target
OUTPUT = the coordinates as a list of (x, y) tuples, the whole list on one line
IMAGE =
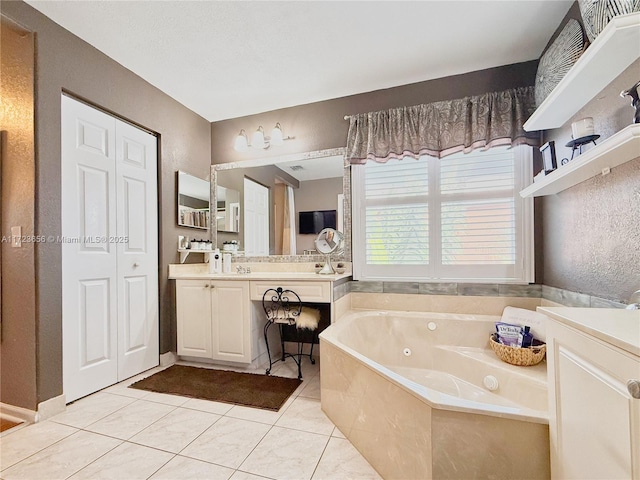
[(215, 262), (226, 263), (527, 338)]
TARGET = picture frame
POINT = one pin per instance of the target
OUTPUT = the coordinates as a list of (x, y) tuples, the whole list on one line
[(549, 162)]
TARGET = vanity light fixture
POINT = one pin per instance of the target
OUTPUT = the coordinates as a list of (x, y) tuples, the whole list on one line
[(258, 139), (242, 144)]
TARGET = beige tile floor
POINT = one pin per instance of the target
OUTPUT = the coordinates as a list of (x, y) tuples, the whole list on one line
[(122, 433)]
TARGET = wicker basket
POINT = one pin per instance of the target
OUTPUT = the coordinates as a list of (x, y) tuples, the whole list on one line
[(523, 357)]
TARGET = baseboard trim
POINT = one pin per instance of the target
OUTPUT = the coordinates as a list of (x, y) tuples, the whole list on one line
[(51, 407), (18, 413), (167, 359)]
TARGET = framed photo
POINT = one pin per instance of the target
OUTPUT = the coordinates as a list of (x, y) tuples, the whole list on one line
[(549, 163)]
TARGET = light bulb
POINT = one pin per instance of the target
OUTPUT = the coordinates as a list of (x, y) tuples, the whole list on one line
[(276, 135), (257, 140), (241, 143)]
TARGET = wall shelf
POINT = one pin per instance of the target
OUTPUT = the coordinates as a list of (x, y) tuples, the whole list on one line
[(609, 55), (184, 253), (611, 152)]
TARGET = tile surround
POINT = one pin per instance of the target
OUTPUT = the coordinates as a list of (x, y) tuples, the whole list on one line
[(403, 437), (533, 291)]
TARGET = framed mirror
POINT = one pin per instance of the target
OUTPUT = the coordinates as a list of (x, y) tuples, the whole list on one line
[(319, 183), (227, 210), (193, 201)]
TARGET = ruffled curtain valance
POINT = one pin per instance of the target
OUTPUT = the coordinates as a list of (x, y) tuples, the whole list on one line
[(442, 128)]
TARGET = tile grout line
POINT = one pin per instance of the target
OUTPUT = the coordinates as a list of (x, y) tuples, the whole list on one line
[(44, 448), (322, 454)]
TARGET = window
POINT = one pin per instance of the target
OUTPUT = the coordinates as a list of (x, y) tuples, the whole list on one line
[(456, 218)]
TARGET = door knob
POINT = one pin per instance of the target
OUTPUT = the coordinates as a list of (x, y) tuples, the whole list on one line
[(135, 264), (634, 388)]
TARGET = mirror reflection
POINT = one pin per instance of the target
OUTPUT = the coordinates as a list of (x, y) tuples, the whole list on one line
[(227, 209), (193, 201), (329, 241), (291, 199)]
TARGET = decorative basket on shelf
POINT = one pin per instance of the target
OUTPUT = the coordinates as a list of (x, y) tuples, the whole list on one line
[(558, 59), (596, 14), (523, 357)]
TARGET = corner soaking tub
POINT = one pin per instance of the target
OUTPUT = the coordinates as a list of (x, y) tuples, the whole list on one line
[(421, 395)]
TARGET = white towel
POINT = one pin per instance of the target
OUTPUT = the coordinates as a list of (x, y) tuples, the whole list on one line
[(308, 318), (520, 316)]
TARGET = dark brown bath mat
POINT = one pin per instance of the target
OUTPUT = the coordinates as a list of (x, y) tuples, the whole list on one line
[(260, 391)]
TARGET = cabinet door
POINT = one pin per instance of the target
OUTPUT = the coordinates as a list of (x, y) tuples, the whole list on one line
[(594, 422), (193, 311), (231, 321)]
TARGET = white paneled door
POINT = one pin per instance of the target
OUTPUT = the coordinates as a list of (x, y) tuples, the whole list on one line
[(109, 250), (256, 218)]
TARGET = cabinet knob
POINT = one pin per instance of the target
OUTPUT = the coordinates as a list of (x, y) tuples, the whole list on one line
[(206, 285), (135, 264), (212, 286), (634, 388)]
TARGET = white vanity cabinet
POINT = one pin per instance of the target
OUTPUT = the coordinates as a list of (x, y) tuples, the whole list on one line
[(593, 360), (214, 320), (193, 318)]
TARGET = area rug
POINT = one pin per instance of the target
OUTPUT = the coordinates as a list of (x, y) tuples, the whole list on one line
[(260, 391)]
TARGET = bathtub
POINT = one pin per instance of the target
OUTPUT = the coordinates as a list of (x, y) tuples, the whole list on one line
[(408, 390)]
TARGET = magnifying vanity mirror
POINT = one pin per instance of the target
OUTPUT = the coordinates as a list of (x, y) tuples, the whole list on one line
[(291, 189), (328, 242)]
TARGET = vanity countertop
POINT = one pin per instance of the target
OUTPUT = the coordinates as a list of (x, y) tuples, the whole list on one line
[(297, 276), (259, 271), (616, 326)]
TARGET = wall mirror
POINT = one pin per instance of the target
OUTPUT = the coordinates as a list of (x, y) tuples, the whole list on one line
[(193, 201), (304, 185), (227, 210)]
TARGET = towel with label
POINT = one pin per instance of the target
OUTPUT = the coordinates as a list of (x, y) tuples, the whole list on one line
[(527, 318)]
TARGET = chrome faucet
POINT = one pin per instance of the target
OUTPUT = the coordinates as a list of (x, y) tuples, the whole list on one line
[(240, 269)]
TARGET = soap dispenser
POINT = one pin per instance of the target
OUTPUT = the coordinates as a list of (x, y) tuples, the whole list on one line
[(215, 262)]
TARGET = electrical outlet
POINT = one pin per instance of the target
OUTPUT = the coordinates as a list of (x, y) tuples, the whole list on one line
[(606, 171), (16, 237)]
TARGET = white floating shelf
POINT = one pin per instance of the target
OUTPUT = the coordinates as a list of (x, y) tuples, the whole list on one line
[(617, 47), (611, 152), (184, 253)]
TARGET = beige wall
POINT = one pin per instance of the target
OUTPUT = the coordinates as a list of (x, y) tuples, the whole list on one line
[(64, 62), (589, 240), (18, 347), (321, 125), (590, 235)]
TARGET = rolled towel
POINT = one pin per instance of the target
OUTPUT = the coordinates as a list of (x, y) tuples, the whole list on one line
[(520, 316), (308, 318)]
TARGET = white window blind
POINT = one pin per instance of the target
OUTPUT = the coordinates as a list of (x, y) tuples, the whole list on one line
[(455, 218), (397, 214)]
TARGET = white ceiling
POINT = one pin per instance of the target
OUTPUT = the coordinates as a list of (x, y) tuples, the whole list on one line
[(314, 168), (225, 59)]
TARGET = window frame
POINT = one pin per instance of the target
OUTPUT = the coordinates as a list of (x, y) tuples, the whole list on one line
[(522, 272)]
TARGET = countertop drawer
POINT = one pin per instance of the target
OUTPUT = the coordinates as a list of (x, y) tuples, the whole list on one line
[(307, 291)]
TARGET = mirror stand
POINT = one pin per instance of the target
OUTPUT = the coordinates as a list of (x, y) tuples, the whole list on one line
[(329, 241), (328, 268)]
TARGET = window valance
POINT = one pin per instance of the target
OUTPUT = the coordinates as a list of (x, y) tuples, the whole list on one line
[(442, 128)]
